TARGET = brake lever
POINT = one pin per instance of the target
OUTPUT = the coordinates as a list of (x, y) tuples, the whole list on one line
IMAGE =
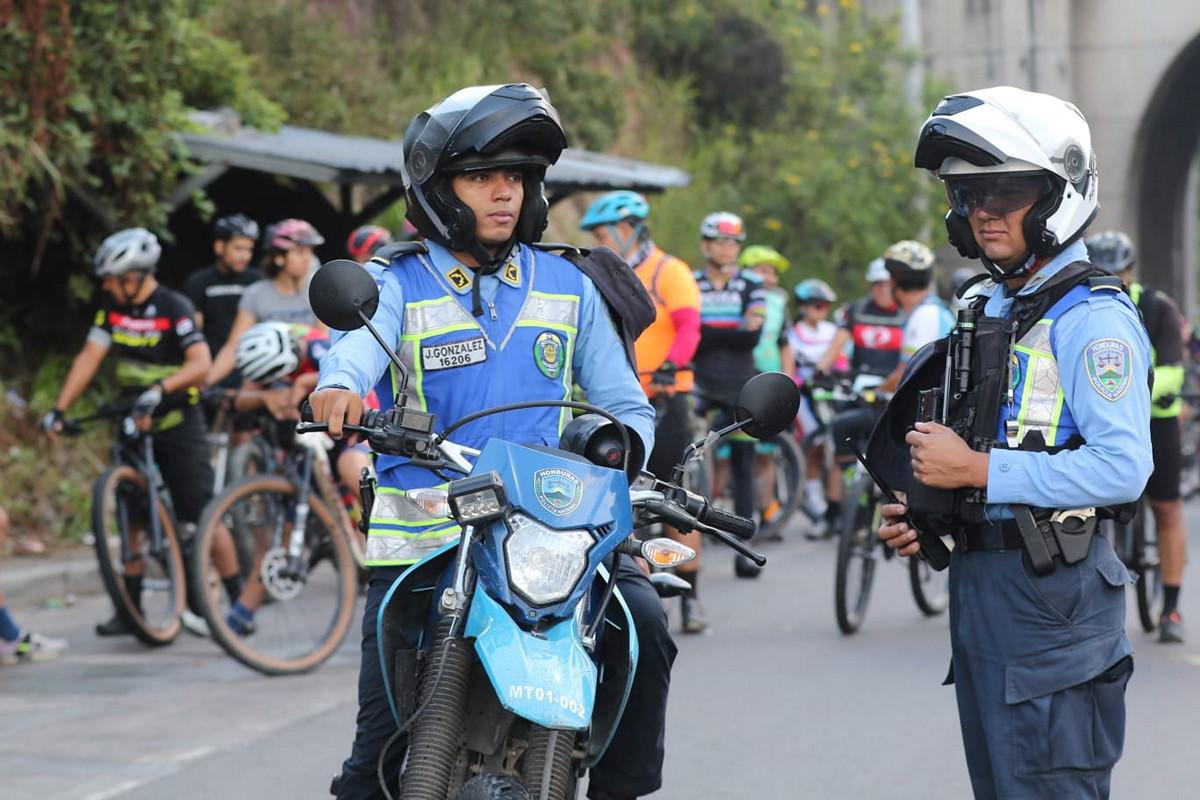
[(731, 541)]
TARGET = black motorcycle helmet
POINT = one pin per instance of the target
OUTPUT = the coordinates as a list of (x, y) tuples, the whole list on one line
[(479, 127)]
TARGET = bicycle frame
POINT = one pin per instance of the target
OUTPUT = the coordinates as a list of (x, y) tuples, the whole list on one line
[(135, 449)]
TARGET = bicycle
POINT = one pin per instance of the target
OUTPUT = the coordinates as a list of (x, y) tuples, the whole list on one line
[(1136, 544), (297, 556), (143, 575)]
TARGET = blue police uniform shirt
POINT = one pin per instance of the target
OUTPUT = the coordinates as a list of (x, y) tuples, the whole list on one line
[(600, 366), (1114, 464)]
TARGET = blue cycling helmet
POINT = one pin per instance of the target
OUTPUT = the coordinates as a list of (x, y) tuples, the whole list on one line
[(814, 291), (615, 207)]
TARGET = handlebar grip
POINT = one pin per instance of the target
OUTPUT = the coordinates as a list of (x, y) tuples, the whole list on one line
[(740, 527), (306, 414)]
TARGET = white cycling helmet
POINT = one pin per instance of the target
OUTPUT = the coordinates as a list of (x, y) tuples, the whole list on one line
[(723, 225), (876, 271), (126, 251), (1041, 144), (267, 352)]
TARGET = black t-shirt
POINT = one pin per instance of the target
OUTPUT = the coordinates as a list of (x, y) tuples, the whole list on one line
[(149, 340), (877, 333), (216, 295), (1164, 326)]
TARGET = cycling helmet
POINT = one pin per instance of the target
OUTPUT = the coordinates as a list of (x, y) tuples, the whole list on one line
[(1040, 145), (1111, 250), (234, 225), (289, 233), (877, 271), (479, 127), (267, 352), (126, 251), (910, 264), (814, 291), (365, 240), (723, 225), (757, 254), (615, 207)]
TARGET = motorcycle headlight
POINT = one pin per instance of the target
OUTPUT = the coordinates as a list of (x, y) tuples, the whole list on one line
[(544, 564)]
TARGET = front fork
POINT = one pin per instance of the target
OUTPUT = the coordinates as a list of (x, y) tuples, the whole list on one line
[(295, 567)]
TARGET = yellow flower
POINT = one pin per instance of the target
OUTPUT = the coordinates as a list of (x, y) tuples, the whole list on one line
[(822, 9), (791, 180), (853, 163), (731, 130), (856, 47), (812, 135), (814, 52), (847, 4), (772, 224)]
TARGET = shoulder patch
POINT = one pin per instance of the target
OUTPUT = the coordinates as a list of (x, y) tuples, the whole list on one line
[(1109, 364), (459, 279)]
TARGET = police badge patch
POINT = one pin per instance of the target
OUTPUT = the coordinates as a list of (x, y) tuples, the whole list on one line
[(548, 353), (558, 490), (1109, 365)]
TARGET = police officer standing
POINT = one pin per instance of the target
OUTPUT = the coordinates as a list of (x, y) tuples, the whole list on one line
[(1057, 434), (534, 325)]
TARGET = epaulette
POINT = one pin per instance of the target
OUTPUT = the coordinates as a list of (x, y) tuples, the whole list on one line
[(564, 249), (384, 255), (1110, 282)]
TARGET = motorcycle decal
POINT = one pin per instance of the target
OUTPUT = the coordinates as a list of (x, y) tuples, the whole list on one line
[(565, 702), (558, 491), (548, 353)]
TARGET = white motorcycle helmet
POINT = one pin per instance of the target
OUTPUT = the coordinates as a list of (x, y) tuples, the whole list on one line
[(1040, 144)]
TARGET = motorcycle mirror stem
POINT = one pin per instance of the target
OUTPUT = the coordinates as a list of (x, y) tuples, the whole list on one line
[(344, 296)]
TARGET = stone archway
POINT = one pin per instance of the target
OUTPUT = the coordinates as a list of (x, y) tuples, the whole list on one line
[(1166, 145)]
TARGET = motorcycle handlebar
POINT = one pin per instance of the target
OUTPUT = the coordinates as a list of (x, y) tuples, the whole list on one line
[(741, 527)]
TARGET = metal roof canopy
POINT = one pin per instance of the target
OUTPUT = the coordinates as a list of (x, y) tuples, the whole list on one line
[(337, 158)]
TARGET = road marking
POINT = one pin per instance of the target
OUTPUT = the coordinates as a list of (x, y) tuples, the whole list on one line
[(115, 791), (1193, 660)]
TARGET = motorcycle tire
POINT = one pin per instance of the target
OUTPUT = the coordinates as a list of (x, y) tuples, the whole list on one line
[(493, 787)]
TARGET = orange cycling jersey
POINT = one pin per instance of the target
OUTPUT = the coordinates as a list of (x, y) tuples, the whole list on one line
[(670, 283)]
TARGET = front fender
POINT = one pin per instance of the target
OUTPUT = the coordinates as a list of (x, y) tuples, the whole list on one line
[(548, 678)]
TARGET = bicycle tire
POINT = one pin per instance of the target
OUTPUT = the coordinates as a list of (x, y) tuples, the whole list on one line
[(856, 540), (789, 476), (929, 587), (209, 586), (1149, 586), (111, 495)]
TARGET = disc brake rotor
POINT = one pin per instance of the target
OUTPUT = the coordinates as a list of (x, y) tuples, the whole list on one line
[(275, 577)]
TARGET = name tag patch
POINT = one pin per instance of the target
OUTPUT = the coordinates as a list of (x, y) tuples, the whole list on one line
[(454, 354)]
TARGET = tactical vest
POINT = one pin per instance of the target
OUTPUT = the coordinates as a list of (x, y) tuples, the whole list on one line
[(521, 349), (1016, 401)]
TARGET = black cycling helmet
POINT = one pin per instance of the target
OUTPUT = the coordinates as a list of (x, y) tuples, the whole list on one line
[(234, 225), (1112, 251), (479, 127)]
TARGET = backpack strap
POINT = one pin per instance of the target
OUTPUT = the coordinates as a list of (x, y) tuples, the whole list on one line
[(384, 255)]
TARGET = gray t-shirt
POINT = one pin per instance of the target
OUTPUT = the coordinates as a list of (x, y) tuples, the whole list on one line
[(264, 300)]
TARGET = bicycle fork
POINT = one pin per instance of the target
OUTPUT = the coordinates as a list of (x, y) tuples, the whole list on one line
[(294, 569)]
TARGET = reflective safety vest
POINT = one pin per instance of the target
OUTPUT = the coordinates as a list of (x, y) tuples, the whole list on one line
[(521, 349), (1165, 400)]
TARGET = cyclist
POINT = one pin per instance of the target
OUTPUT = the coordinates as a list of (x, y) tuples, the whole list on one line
[(160, 351), (810, 338), (664, 350), (1114, 251), (874, 326), (17, 644), (910, 264), (280, 297), (215, 291), (732, 307), (483, 153), (365, 240)]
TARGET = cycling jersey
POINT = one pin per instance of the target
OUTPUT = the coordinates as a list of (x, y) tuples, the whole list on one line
[(216, 295), (1164, 326), (774, 334), (673, 289), (148, 340), (929, 321), (809, 344), (724, 360), (877, 333)]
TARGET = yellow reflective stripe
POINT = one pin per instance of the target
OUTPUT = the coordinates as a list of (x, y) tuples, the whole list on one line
[(1026, 393), (1055, 416), (458, 326)]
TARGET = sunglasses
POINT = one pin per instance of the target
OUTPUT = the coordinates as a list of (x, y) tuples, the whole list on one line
[(996, 195)]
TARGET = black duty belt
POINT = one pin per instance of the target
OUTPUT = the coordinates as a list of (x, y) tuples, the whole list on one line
[(1066, 535), (991, 537)]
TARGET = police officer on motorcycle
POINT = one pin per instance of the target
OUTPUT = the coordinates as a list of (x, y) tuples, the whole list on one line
[(482, 318), (1043, 428)]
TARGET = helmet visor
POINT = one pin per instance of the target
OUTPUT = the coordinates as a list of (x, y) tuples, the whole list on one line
[(998, 194)]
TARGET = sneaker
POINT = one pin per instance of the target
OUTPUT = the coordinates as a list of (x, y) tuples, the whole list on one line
[(768, 515), (31, 647), (694, 620), (194, 624), (240, 625), (1170, 628), (117, 626), (815, 504), (820, 531)]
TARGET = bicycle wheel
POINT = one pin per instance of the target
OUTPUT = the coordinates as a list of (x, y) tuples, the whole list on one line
[(789, 476), (1149, 587), (121, 527), (856, 555), (930, 588), (301, 616)]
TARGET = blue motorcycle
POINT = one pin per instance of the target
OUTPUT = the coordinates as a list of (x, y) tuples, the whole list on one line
[(499, 666)]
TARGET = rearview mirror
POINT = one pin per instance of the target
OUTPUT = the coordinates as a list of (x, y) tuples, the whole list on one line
[(767, 404), (339, 291)]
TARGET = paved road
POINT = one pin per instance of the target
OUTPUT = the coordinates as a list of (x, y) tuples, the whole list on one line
[(773, 703)]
